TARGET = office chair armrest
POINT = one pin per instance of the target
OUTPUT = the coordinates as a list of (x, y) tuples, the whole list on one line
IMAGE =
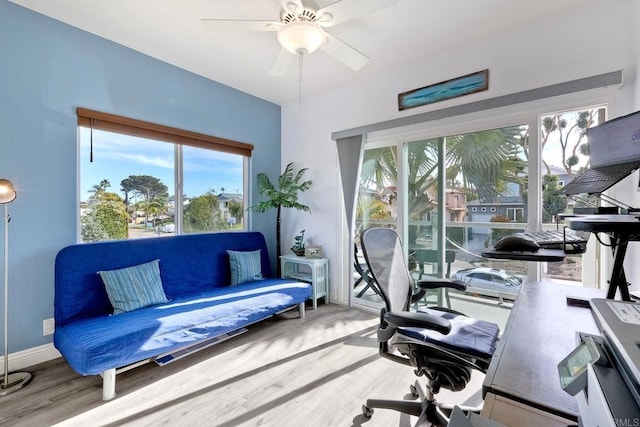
[(418, 295), (435, 283), (417, 320)]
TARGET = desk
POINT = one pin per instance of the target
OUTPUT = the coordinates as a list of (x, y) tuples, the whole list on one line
[(511, 413), (622, 229), (540, 332)]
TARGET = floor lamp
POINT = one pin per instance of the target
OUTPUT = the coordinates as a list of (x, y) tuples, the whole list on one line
[(16, 380)]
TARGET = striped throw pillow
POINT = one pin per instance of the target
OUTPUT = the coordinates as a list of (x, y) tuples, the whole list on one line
[(245, 266), (134, 287)]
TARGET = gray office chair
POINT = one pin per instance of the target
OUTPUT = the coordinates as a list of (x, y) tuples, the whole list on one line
[(441, 344)]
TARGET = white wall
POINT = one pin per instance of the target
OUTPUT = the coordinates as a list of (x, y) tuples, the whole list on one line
[(588, 41)]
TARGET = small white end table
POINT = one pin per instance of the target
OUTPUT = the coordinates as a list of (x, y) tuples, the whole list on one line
[(309, 270)]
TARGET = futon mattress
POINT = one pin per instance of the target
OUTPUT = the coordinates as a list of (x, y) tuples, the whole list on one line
[(93, 345)]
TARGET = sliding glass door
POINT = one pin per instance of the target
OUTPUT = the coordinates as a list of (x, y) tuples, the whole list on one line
[(451, 197), (377, 206), (463, 193)]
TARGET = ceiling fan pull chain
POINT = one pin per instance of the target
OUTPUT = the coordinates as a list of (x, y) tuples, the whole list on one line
[(300, 55)]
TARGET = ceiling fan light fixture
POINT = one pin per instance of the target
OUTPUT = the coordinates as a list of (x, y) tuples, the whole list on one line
[(301, 37)]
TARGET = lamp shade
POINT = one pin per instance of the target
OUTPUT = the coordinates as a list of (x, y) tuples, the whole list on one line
[(301, 37), (7, 192)]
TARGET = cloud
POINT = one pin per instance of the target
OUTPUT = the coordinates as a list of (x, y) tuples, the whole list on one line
[(166, 163)]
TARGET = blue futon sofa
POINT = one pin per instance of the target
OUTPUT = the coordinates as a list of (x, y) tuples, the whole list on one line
[(199, 302)]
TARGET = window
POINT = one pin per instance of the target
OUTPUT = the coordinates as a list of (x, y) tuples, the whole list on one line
[(145, 186), (515, 214), (565, 155)]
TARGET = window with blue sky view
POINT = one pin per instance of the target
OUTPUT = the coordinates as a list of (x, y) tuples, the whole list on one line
[(128, 187)]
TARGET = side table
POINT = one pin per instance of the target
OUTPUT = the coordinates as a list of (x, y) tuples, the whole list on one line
[(310, 270)]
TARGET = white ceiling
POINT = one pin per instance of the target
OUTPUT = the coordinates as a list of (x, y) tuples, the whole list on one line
[(170, 30)]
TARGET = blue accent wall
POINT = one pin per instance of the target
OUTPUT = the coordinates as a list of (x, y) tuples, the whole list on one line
[(47, 69)]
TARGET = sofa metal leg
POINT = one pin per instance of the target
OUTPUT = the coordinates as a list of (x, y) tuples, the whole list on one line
[(302, 310), (108, 384)]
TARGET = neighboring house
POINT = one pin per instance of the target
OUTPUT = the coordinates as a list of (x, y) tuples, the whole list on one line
[(223, 205), (456, 205), (171, 205), (563, 177), (509, 203), (455, 202)]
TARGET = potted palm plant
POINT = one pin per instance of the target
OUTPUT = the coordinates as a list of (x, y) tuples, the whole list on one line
[(284, 195)]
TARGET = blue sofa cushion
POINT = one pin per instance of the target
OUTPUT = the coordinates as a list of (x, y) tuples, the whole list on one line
[(93, 345), (245, 266), (134, 287)]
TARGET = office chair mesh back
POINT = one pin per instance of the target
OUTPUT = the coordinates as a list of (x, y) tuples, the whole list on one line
[(382, 244)]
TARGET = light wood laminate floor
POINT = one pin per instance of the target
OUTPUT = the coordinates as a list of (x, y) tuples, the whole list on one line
[(283, 372)]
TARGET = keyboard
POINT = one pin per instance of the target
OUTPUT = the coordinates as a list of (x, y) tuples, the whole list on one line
[(605, 173), (553, 237)]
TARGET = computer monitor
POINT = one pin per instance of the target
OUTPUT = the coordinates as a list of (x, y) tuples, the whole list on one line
[(615, 141)]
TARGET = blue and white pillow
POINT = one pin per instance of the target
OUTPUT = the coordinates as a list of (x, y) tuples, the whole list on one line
[(245, 266), (134, 287)]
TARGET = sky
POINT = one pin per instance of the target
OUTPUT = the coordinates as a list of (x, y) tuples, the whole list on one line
[(552, 152), (116, 156)]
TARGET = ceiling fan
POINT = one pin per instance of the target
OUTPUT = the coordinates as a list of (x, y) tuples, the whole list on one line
[(302, 29)]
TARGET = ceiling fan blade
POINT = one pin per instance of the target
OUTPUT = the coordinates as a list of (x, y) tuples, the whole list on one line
[(239, 25), (292, 6), (346, 10), (344, 53), (282, 63), (325, 3)]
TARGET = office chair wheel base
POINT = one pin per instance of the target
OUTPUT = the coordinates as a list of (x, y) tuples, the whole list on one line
[(414, 391), (366, 411)]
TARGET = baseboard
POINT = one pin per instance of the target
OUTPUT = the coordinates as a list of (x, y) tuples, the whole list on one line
[(31, 356)]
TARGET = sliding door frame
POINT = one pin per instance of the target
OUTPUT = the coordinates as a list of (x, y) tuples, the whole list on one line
[(525, 113)]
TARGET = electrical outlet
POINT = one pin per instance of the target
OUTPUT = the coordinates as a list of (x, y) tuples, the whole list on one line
[(48, 326)]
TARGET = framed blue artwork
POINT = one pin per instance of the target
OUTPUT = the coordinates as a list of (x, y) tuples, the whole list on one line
[(453, 88)]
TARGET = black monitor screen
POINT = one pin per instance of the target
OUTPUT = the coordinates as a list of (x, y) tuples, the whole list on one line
[(615, 141)]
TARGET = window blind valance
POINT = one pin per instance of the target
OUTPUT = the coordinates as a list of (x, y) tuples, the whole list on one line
[(127, 126)]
